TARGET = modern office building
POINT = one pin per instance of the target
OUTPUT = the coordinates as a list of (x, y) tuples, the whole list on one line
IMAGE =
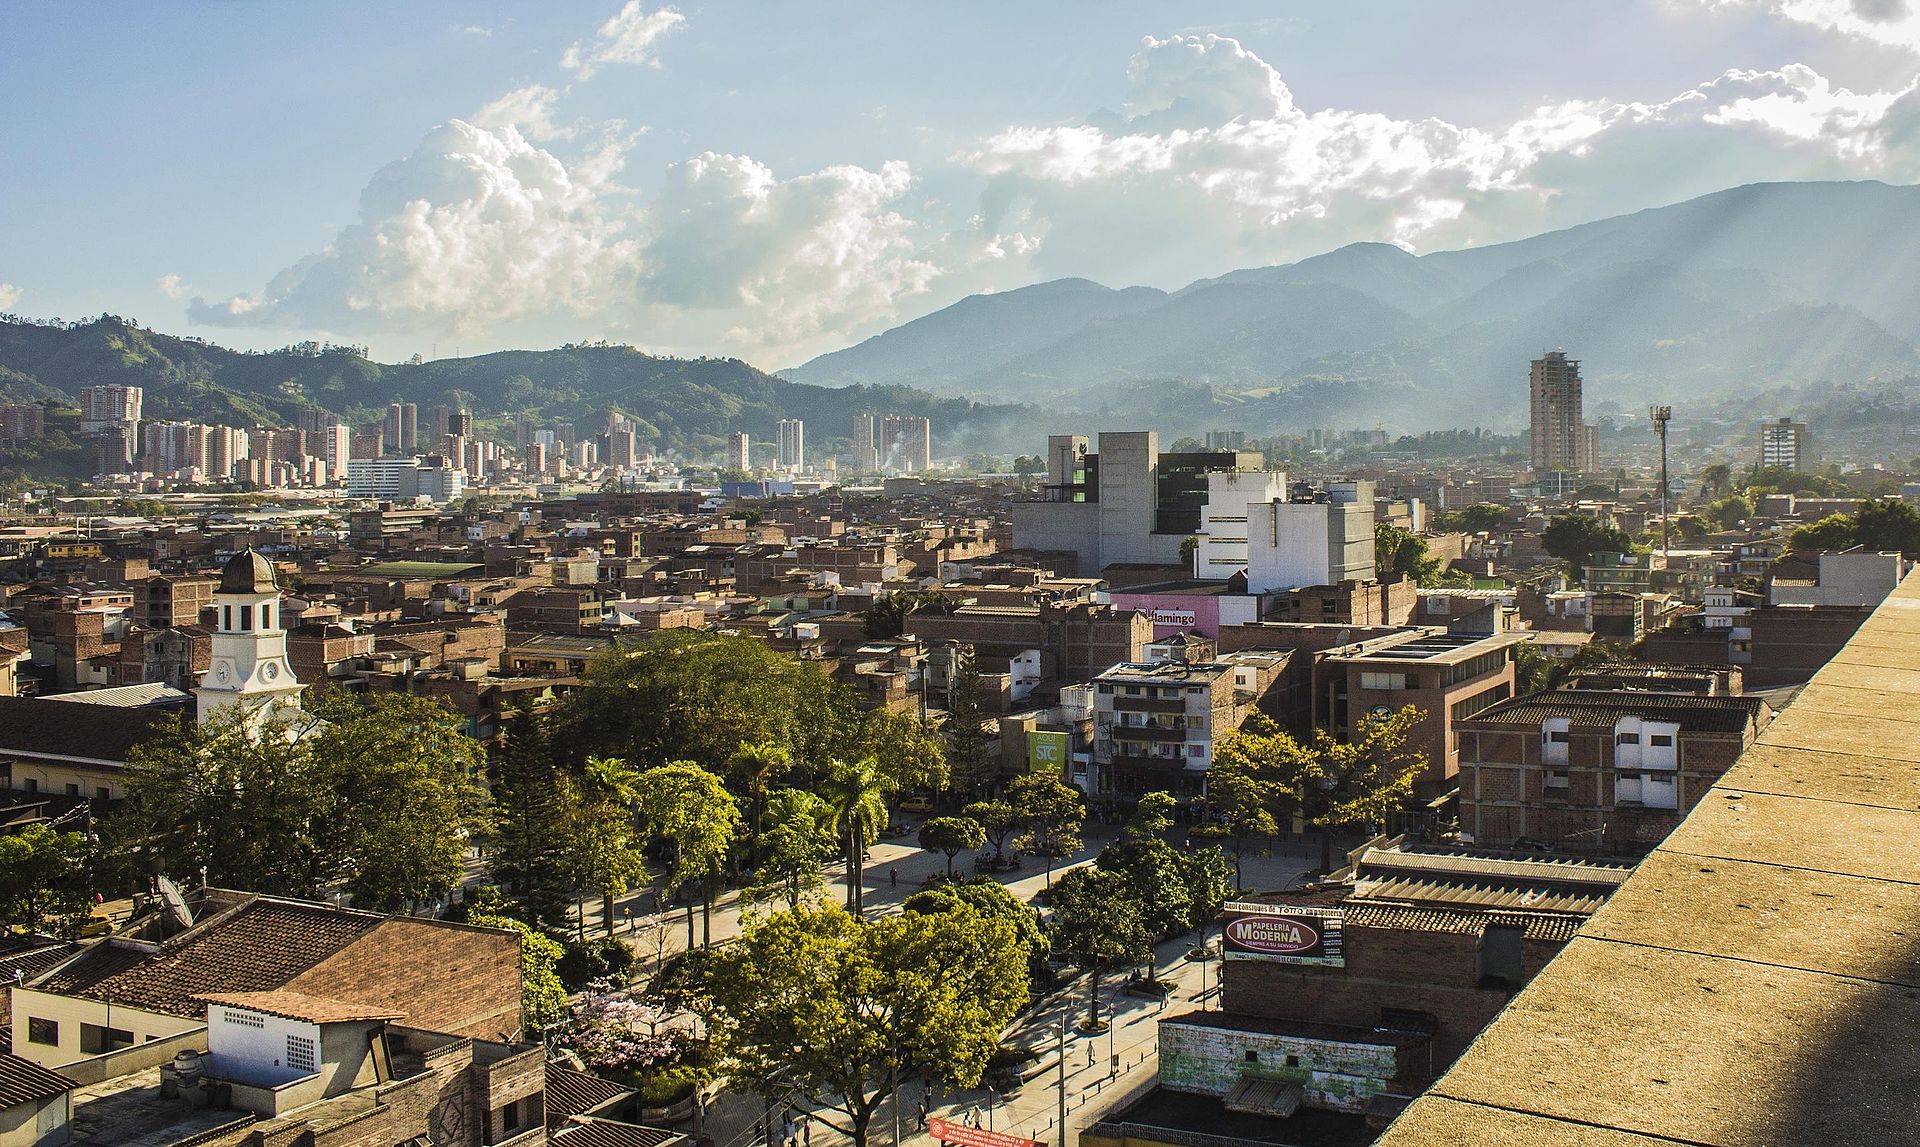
[(403, 432), (1224, 518), (1127, 503), (740, 452), (1562, 440), (793, 445), (1783, 444)]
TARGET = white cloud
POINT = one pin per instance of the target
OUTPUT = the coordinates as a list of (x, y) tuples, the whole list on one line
[(476, 227), (626, 38), (1890, 22), (529, 108), (782, 261), (1214, 156), (480, 30), (9, 296), (175, 288)]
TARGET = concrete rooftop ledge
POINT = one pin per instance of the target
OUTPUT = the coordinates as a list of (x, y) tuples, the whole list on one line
[(1757, 980)]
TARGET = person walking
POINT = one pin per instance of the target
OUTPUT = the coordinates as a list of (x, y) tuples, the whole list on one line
[(893, 876)]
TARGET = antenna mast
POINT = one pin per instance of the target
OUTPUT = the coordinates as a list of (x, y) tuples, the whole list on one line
[(1661, 415)]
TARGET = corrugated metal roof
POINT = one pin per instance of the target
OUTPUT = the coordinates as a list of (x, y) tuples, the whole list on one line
[(1602, 709)]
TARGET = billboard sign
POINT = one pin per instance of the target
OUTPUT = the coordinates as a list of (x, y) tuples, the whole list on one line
[(1285, 935), (949, 1131), (1047, 751)]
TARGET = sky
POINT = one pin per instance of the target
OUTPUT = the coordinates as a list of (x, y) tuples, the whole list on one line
[(772, 180)]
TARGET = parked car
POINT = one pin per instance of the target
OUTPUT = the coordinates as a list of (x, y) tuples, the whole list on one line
[(917, 804)]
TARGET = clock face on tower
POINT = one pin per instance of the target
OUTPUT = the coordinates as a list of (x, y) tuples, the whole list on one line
[(270, 671), (221, 673)]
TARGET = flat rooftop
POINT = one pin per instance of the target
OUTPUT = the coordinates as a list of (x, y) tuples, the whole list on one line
[(1757, 979), (1437, 647)]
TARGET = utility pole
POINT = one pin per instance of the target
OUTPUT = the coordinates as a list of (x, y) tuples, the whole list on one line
[(1061, 1138), (1661, 415)]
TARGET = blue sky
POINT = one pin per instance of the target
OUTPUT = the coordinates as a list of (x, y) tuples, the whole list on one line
[(775, 180)]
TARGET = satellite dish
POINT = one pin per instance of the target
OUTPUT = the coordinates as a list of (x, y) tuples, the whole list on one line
[(175, 902)]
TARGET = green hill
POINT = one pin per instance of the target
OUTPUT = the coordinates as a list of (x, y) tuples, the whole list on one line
[(682, 404)]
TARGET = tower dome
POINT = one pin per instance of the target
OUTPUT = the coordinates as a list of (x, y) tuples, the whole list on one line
[(248, 572)]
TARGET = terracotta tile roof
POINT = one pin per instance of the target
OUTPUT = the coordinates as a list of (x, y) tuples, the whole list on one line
[(301, 1006), (23, 1081), (258, 946), (576, 1092)]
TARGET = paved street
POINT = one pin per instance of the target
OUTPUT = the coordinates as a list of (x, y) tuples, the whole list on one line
[(897, 870)]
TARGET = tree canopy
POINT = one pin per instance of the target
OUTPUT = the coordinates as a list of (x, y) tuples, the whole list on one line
[(1399, 553), (818, 1003), (1880, 524), (1574, 538), (43, 881)]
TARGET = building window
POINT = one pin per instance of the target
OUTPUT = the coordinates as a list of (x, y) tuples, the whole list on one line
[(1627, 739), (1558, 736), (1557, 781), (1500, 960), (73, 789), (43, 1031), (1661, 740), (30, 784), (97, 1040), (101, 794), (246, 617), (1293, 1061), (1253, 1056)]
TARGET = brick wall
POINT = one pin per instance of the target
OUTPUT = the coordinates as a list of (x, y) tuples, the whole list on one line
[(1433, 972), (1337, 1074)]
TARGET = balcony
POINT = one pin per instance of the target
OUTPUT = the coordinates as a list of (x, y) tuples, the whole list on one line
[(1147, 733), (1123, 760)]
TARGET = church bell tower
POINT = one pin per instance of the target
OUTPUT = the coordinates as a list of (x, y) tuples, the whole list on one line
[(249, 667)]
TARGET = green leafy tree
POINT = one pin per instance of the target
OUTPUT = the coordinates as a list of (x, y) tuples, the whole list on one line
[(687, 806), (1879, 525), (1727, 513), (1098, 925), (543, 999), (1152, 816), (533, 822), (1481, 518), (687, 695), (412, 798), (998, 820), (950, 836), (44, 884), (907, 752), (1237, 811), (818, 1004), (798, 839), (856, 796), (250, 807), (603, 842), (1330, 783), (991, 900), (1575, 538), (1399, 553), (1054, 814), (1716, 479)]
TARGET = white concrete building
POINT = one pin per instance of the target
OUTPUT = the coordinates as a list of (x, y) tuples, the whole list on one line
[(1223, 523), (1314, 537)]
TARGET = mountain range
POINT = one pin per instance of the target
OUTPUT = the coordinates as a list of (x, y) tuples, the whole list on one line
[(1757, 286), (681, 404)]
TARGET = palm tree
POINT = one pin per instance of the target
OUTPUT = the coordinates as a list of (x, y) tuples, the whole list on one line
[(755, 766), (856, 796), (609, 779)]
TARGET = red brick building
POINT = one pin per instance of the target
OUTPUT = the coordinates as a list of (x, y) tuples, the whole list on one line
[(1600, 770)]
